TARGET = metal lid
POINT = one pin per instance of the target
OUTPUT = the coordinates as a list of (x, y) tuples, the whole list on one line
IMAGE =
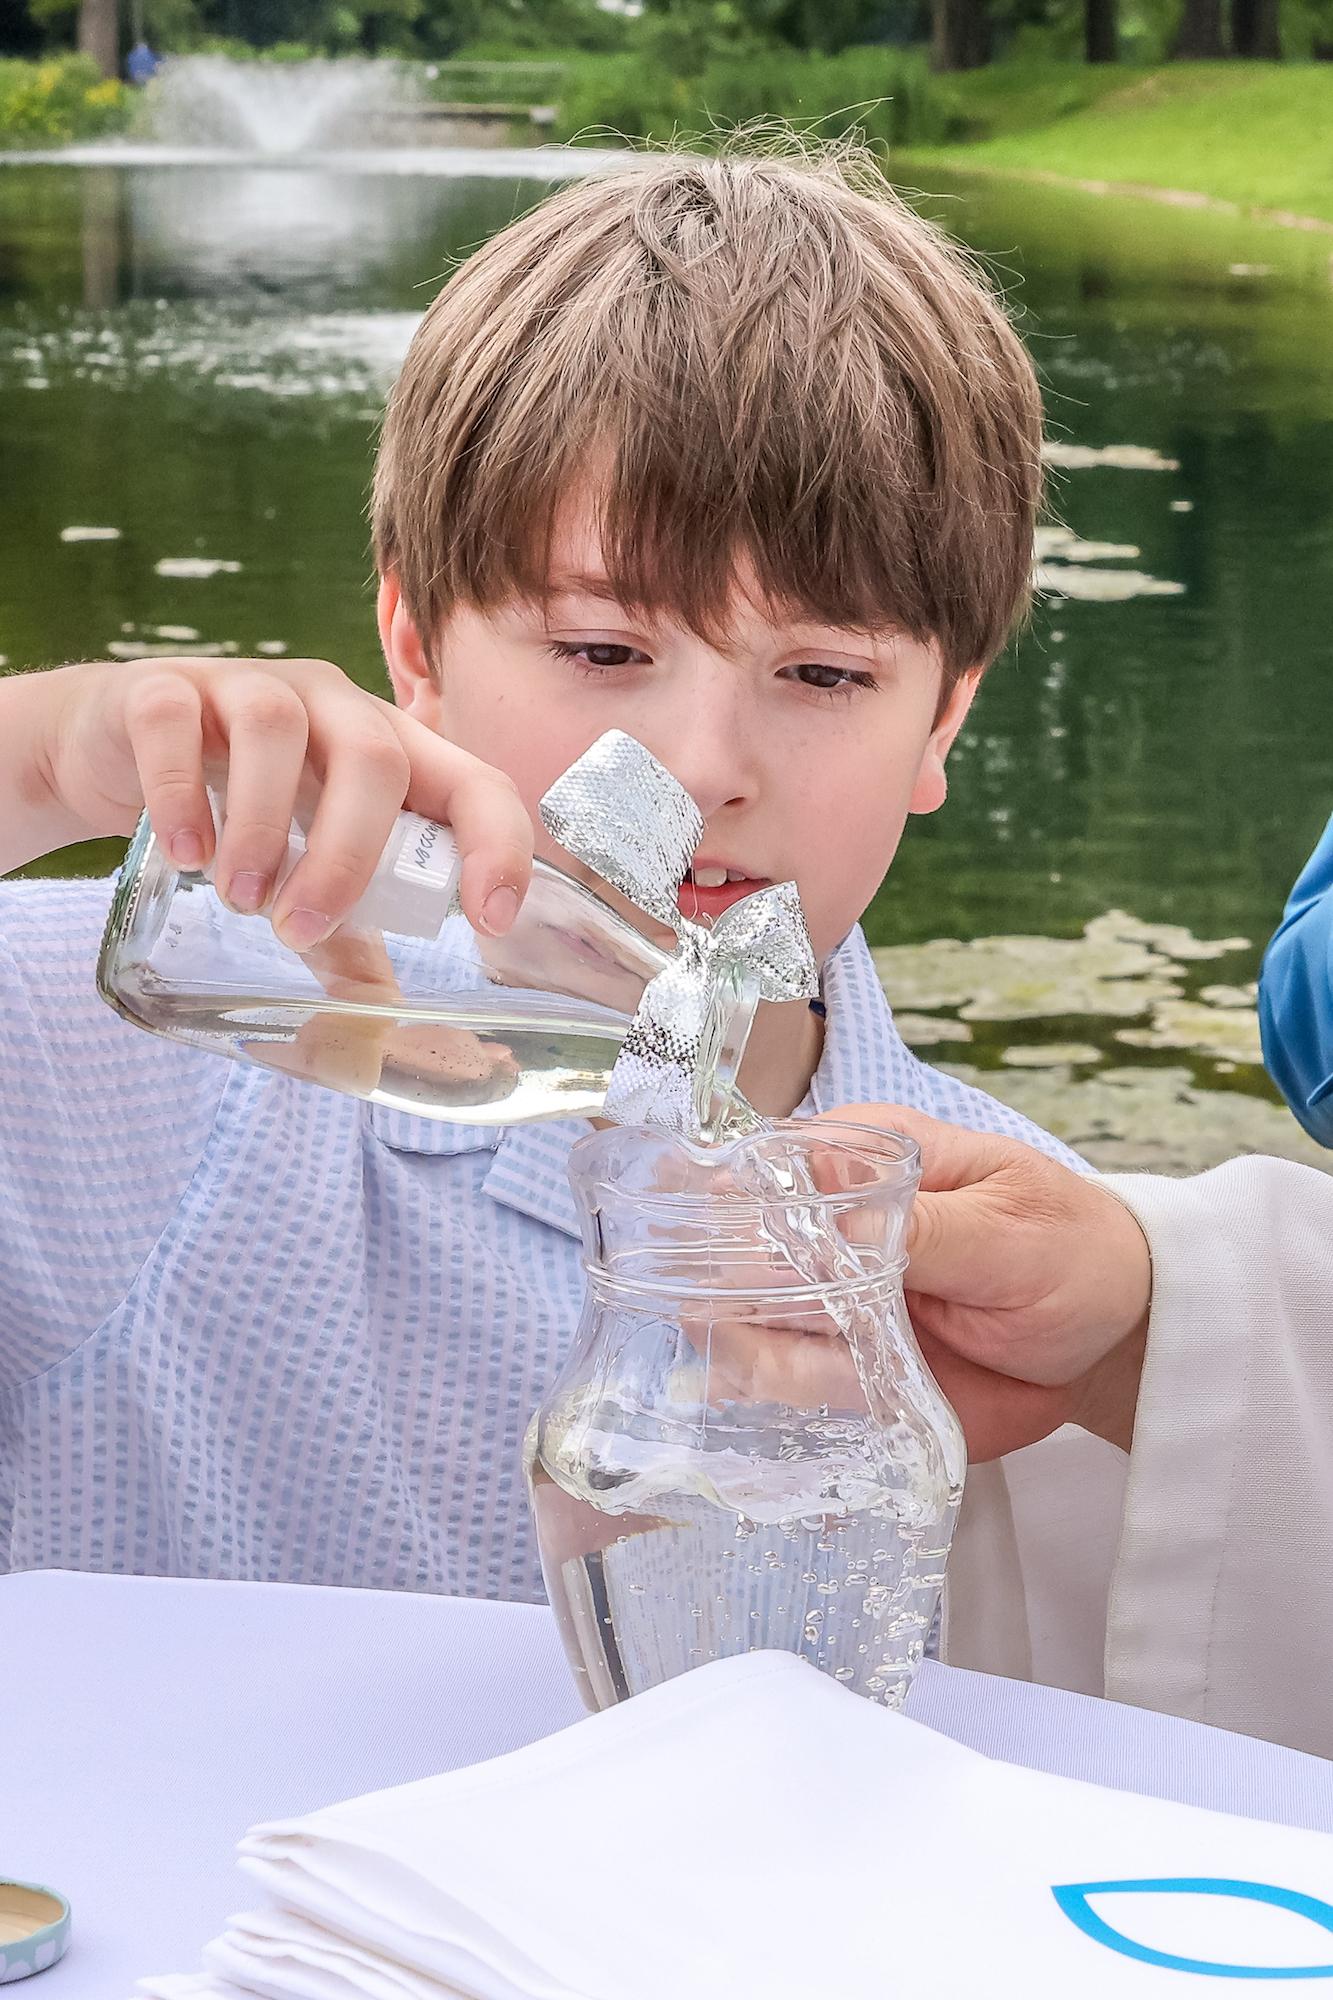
[(34, 1929)]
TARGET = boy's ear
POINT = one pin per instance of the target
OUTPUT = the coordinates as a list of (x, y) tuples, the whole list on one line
[(415, 687), (932, 784)]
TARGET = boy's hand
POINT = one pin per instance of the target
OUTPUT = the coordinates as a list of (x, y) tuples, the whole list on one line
[(119, 738), (1028, 1287)]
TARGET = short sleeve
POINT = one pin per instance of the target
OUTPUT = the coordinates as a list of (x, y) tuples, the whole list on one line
[(102, 1128), (1296, 996)]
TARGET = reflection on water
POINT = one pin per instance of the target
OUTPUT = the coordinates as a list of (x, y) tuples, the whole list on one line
[(192, 361)]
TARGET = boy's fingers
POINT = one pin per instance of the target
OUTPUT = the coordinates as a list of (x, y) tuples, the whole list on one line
[(366, 774), (164, 727), (266, 728), (487, 817)]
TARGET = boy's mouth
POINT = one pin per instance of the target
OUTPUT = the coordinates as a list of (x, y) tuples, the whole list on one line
[(711, 888)]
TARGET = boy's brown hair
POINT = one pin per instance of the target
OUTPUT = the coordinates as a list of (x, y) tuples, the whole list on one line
[(753, 356)]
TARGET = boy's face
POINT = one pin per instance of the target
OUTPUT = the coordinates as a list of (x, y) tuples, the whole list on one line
[(805, 747)]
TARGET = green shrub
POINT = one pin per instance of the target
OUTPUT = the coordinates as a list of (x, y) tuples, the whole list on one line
[(886, 93), (57, 100), (473, 81)]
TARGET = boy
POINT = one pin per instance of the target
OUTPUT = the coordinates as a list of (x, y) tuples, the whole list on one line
[(731, 453)]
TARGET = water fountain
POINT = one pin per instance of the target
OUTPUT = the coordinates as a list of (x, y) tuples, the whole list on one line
[(334, 116), (279, 108)]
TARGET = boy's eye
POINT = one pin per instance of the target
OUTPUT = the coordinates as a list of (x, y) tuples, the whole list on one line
[(597, 653), (829, 680)]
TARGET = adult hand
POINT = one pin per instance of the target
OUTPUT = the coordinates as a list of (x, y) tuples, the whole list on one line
[(1028, 1287)]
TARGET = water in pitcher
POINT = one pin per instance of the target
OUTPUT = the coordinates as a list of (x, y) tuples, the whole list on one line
[(647, 1583), (745, 1449)]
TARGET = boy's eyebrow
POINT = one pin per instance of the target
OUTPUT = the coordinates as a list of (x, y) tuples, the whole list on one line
[(583, 583)]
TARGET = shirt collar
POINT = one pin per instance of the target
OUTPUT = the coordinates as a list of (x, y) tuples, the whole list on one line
[(863, 1062)]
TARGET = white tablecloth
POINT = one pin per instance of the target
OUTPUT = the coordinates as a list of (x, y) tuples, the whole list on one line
[(146, 1723)]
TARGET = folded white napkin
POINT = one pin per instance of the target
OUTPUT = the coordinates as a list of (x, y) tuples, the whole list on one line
[(752, 1829)]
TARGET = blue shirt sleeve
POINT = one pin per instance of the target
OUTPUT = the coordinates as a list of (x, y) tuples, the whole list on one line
[(1296, 996), (101, 1129)]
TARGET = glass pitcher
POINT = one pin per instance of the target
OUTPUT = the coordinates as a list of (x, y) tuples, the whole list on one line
[(745, 1448)]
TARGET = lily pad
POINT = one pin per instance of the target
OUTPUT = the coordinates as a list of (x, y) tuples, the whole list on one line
[(1171, 940), (196, 566), (1230, 996), (1101, 586), (1049, 1055), (1062, 543), (155, 649), (923, 1031), (1129, 457), (1229, 1032), (1028, 978), (1132, 1120)]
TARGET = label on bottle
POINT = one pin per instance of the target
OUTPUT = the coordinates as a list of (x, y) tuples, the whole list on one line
[(427, 855)]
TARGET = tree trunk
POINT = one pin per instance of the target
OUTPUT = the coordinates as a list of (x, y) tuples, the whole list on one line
[(959, 34), (99, 34), (1199, 36), (1254, 30), (1101, 30)]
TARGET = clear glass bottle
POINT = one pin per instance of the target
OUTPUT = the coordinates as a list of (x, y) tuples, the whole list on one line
[(404, 1004), (745, 1448)]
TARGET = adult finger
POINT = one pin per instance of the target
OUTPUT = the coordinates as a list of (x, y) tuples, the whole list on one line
[(952, 1156), (998, 1413), (766, 1360)]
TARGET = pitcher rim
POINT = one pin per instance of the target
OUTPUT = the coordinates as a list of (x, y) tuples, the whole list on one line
[(895, 1151)]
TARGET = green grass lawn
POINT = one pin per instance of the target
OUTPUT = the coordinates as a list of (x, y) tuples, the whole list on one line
[(1260, 134)]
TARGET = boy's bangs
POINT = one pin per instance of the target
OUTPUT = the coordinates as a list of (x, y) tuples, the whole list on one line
[(670, 532), (759, 375)]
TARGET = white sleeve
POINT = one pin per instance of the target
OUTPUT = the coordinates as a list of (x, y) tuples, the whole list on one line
[(101, 1129), (1221, 1603)]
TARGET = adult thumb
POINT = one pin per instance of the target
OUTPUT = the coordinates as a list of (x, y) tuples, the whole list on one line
[(954, 1242)]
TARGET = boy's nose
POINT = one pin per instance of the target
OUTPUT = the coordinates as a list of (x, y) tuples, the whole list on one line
[(707, 741)]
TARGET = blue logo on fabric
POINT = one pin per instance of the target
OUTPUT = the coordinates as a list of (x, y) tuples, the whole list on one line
[(1073, 1900)]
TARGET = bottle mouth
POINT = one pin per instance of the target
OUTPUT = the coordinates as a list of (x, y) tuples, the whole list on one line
[(664, 1175)]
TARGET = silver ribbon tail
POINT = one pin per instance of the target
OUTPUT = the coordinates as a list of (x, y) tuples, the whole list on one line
[(621, 813)]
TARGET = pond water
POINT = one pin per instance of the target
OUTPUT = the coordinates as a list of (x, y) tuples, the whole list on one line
[(192, 363)]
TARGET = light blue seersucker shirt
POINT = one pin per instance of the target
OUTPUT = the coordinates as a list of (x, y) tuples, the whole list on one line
[(249, 1328)]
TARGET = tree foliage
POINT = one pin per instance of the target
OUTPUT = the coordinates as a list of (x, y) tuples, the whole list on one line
[(683, 37)]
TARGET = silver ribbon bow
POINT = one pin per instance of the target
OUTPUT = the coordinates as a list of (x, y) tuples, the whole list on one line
[(623, 814)]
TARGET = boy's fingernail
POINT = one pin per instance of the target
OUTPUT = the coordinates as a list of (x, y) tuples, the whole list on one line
[(303, 929), (187, 850), (499, 910), (248, 891)]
